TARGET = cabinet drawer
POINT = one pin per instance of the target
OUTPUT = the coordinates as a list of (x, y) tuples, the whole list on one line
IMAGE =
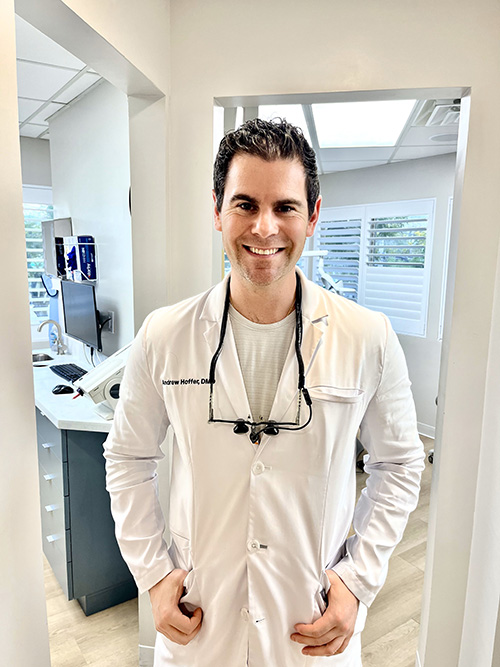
[(50, 438), (52, 472), (51, 467), (55, 552), (53, 524), (52, 493)]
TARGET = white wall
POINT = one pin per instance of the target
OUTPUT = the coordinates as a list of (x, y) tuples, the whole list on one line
[(35, 161), (139, 30), (90, 183), (483, 589), (23, 628), (323, 46), (415, 179)]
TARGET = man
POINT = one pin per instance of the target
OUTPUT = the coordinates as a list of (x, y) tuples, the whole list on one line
[(265, 381)]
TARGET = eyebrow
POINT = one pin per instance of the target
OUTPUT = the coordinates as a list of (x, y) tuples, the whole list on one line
[(240, 196)]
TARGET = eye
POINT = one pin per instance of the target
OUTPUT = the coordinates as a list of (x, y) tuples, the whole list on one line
[(245, 206), (285, 208)]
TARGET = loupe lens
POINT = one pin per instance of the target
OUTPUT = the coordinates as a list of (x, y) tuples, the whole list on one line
[(271, 430), (240, 427)]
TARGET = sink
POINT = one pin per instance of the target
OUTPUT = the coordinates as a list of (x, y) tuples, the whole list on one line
[(36, 358)]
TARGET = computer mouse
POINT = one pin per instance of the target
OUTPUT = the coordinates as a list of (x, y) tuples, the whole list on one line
[(63, 389)]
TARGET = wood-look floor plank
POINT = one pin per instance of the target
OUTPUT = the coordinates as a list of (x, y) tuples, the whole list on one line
[(395, 649), (107, 639)]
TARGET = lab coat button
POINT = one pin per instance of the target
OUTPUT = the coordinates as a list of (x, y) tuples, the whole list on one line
[(253, 545), (258, 468), (245, 614)]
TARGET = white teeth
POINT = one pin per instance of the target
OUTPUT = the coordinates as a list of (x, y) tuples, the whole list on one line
[(263, 251)]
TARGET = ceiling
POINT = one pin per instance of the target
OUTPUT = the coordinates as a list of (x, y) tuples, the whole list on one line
[(431, 129), (48, 79)]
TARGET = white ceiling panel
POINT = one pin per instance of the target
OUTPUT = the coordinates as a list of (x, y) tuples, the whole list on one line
[(368, 123), (419, 136), (41, 81), (31, 44), (32, 130), (416, 152), (371, 153), (27, 107), (346, 165), (41, 118), (78, 87)]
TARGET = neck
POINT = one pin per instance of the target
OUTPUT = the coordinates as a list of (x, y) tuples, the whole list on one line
[(264, 305)]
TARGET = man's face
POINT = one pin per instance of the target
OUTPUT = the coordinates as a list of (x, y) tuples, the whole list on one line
[(264, 218)]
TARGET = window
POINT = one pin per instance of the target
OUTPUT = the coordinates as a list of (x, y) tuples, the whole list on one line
[(34, 213), (381, 254)]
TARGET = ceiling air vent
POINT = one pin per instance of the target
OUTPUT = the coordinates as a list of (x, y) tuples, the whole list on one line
[(437, 113)]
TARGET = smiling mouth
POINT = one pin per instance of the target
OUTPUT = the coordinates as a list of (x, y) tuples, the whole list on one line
[(262, 251)]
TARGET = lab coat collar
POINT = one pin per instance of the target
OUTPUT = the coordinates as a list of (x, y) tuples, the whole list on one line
[(314, 307), (228, 374)]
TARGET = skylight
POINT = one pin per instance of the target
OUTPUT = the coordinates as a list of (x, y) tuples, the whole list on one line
[(293, 113), (361, 124)]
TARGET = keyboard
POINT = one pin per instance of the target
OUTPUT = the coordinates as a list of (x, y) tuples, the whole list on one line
[(69, 372)]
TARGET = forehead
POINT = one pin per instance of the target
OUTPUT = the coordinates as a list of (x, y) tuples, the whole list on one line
[(278, 179)]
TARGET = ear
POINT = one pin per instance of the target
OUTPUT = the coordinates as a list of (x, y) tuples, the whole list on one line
[(217, 222), (311, 225)]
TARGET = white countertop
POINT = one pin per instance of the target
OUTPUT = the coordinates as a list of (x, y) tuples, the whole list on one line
[(63, 411)]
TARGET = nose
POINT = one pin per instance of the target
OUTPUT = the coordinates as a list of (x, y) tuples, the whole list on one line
[(265, 224)]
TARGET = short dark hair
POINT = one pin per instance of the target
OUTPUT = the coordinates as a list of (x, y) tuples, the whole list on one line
[(268, 140)]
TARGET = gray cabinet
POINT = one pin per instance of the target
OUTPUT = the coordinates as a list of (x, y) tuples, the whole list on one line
[(78, 529)]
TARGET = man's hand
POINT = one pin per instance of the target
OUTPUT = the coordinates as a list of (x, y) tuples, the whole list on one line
[(331, 633), (168, 617)]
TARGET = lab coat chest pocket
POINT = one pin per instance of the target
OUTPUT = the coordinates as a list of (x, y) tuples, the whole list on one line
[(324, 392), (337, 414), (339, 405)]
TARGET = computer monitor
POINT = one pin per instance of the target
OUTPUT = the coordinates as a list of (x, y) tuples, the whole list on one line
[(81, 316)]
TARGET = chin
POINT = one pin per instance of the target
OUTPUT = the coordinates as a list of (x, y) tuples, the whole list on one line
[(266, 278)]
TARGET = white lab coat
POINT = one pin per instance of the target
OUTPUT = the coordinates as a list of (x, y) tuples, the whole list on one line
[(256, 526)]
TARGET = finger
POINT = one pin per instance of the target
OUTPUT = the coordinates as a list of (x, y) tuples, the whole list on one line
[(317, 629), (178, 636), (315, 641), (344, 645), (183, 623), (331, 648)]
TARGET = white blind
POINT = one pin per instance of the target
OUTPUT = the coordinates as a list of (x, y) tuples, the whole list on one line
[(33, 216), (381, 251), (397, 266), (399, 294), (397, 241), (340, 235)]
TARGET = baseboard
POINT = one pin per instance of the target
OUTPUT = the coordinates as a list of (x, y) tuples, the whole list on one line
[(146, 656), (425, 429)]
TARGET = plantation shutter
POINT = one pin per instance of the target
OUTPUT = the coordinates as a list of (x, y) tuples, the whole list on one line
[(339, 233), (397, 263), (37, 206), (383, 253)]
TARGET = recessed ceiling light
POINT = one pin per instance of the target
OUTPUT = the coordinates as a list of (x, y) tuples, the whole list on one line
[(361, 124), (444, 137)]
